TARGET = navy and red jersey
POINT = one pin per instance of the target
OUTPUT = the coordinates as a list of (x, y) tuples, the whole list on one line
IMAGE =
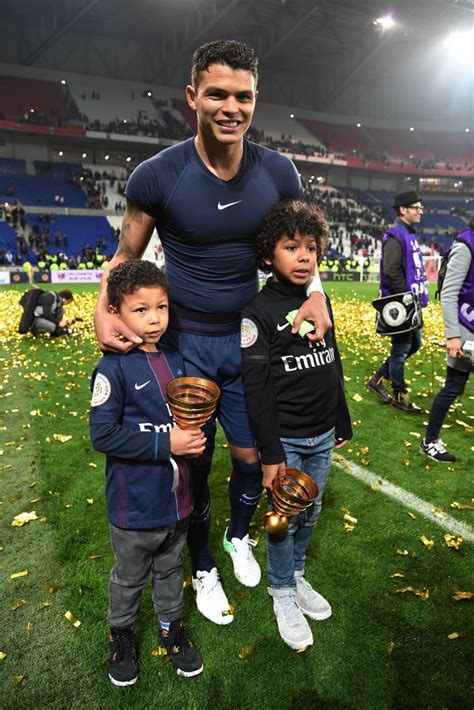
[(207, 225), (130, 422)]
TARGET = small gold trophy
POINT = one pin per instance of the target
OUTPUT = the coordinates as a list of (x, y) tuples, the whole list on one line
[(291, 494), (192, 400)]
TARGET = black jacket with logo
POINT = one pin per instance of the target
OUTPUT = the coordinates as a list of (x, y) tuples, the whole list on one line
[(293, 387)]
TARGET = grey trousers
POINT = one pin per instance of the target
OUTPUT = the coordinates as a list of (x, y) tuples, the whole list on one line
[(137, 553), (42, 325)]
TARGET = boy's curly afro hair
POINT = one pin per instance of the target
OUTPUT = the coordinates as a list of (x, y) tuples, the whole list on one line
[(129, 276), (287, 218)]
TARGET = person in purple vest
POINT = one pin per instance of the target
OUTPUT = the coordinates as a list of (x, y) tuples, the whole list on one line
[(401, 270), (457, 303)]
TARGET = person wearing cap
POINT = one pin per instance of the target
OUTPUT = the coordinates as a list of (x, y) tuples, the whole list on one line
[(401, 270)]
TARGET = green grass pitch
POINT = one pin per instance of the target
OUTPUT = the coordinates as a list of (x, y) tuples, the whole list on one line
[(401, 628)]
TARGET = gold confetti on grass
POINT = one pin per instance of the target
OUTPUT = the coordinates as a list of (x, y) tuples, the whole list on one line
[(349, 521), (18, 604), (397, 574), (95, 557), (375, 487), (16, 575), (438, 512), (411, 515), (3, 655), (454, 541), (405, 553), (459, 596), (18, 679), (461, 506), (24, 518), (157, 651), (62, 438), (50, 589), (390, 647), (93, 465), (457, 635), (90, 501), (45, 605), (357, 398), (423, 593), (246, 651), (72, 619), (429, 544)]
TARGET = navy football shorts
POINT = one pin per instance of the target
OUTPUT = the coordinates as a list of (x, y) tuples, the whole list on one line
[(217, 358)]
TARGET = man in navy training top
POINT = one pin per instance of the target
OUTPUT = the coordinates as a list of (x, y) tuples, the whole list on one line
[(401, 269), (207, 197), (148, 484)]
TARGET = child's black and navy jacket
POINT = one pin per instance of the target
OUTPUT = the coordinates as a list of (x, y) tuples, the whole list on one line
[(130, 422), (293, 387)]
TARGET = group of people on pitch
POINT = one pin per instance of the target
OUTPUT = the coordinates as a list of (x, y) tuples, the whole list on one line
[(223, 206)]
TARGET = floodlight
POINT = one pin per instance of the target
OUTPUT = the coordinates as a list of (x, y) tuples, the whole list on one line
[(84, 155), (384, 23), (292, 115), (60, 153), (63, 81), (106, 157), (467, 130), (412, 129), (359, 125), (128, 158)]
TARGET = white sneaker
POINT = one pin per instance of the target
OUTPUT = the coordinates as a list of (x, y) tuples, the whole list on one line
[(246, 567), (293, 627), (311, 602), (211, 599)]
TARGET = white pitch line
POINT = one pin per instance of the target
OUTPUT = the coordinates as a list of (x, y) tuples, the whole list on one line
[(411, 501)]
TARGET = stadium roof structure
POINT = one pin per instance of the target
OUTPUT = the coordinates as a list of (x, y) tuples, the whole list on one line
[(324, 55)]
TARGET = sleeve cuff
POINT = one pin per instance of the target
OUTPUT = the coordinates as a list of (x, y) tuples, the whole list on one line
[(314, 285)]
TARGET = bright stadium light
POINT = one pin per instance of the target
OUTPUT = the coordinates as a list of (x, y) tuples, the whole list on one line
[(384, 23), (84, 155), (412, 129), (292, 115), (359, 125), (128, 158), (467, 130), (60, 153), (63, 82), (106, 157)]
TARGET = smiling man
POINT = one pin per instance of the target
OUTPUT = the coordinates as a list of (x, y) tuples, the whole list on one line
[(207, 197)]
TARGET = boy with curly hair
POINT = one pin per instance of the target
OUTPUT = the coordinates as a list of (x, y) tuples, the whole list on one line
[(147, 477), (295, 396)]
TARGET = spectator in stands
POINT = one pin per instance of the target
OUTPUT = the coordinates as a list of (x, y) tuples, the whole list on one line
[(401, 269), (457, 303), (49, 313), (217, 171)]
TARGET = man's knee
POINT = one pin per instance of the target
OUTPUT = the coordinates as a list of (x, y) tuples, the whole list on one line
[(248, 456)]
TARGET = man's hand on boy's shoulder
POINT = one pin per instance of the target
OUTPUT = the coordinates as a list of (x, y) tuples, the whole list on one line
[(314, 309), (270, 471)]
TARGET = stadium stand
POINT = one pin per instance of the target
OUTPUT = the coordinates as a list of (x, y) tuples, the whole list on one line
[(41, 190)]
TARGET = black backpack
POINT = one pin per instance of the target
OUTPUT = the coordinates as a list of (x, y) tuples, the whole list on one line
[(29, 301)]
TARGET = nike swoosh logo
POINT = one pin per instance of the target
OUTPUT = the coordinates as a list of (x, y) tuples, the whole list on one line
[(229, 204), (140, 387), (282, 327)]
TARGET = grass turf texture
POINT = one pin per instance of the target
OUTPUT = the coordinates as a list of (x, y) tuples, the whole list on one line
[(378, 650)]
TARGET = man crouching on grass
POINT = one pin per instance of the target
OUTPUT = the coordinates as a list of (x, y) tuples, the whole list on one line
[(147, 478)]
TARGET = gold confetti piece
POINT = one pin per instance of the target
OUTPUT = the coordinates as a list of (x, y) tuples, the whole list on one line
[(438, 512), (302, 650), (50, 589), (397, 574), (3, 655), (68, 505), (45, 605), (411, 515), (427, 543), (93, 465), (415, 433), (24, 518), (90, 501), (405, 462), (72, 619), (457, 635), (62, 438), (357, 398), (390, 647), (462, 506), (407, 443), (95, 557), (35, 500), (2, 548), (246, 651), (17, 679), (454, 541), (23, 573), (187, 582), (32, 485), (460, 596), (364, 450), (422, 593), (158, 651), (30, 626), (376, 486), (18, 604)]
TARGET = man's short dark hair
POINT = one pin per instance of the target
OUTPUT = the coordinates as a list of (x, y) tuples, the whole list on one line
[(287, 218), (66, 294), (229, 52), (128, 277)]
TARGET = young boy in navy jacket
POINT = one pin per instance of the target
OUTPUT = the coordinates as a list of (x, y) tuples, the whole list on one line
[(294, 392), (147, 479)]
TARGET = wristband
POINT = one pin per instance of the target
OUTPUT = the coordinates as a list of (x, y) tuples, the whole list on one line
[(314, 284)]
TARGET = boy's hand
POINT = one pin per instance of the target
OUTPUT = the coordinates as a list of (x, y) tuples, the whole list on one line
[(339, 443), (313, 309), (270, 471), (187, 442)]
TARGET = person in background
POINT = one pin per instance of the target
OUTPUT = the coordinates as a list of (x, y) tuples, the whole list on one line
[(457, 303), (401, 270), (49, 313)]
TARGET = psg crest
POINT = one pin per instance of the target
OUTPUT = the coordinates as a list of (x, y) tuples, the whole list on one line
[(397, 313)]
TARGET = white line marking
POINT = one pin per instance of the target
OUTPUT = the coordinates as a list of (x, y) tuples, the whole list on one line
[(455, 527)]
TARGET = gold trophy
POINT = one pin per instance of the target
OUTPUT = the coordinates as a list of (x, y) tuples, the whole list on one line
[(192, 400), (291, 494)]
